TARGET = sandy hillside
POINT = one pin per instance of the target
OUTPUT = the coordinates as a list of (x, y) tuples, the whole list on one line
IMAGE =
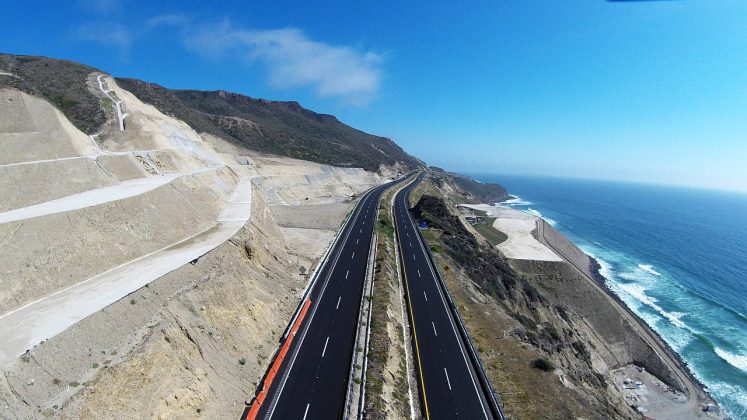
[(97, 237)]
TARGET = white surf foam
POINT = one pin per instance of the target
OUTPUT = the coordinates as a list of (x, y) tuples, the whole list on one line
[(738, 361), (639, 293), (534, 212), (736, 394), (605, 269), (516, 201), (649, 269)]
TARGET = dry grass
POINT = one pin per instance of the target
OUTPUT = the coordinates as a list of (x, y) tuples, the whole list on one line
[(526, 392), (386, 374)]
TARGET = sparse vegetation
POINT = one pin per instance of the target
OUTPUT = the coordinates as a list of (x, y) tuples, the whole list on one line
[(281, 128), (61, 82), (483, 265), (491, 234), (381, 343)]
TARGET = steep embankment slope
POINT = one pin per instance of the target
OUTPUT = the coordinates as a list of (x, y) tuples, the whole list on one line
[(61, 82), (90, 220)]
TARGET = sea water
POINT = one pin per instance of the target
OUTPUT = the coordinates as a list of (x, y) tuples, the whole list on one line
[(677, 257)]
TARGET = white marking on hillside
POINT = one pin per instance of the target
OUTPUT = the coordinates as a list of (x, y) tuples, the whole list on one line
[(23, 328)]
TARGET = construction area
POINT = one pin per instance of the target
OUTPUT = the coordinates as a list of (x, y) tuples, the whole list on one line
[(148, 259)]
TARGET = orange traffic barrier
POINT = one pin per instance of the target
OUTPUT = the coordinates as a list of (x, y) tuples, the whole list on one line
[(254, 410)]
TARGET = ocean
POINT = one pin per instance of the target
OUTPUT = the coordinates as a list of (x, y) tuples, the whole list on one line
[(677, 257)]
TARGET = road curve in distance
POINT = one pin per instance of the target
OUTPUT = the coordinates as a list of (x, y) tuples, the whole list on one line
[(312, 380), (449, 384)]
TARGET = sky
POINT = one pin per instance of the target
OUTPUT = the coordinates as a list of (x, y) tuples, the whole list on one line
[(648, 91)]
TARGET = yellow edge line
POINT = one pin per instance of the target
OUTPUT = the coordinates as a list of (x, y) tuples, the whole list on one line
[(412, 319)]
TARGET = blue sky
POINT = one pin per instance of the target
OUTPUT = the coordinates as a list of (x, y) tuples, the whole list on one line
[(642, 91)]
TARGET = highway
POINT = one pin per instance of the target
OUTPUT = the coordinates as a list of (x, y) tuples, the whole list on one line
[(449, 384), (312, 380)]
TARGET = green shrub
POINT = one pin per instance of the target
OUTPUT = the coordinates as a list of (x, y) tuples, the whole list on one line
[(543, 364)]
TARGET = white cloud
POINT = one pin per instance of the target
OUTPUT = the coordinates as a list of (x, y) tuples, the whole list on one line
[(292, 58), (295, 60), (118, 35)]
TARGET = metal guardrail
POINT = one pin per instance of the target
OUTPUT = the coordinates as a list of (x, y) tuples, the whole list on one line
[(362, 333), (306, 295), (322, 262), (493, 400)]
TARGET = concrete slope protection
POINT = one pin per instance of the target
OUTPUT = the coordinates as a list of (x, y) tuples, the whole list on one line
[(41, 319), (312, 381), (450, 387)]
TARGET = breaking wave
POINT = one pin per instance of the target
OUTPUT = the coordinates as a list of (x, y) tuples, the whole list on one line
[(639, 293), (689, 292), (516, 201), (649, 269), (738, 361), (534, 212)]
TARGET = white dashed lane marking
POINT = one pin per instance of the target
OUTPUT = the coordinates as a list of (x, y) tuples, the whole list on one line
[(325, 349)]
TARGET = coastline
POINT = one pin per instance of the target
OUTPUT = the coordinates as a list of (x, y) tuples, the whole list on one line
[(698, 394), (595, 274), (674, 257), (595, 269)]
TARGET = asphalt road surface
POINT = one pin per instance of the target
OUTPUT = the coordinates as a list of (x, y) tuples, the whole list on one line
[(449, 385), (312, 381)]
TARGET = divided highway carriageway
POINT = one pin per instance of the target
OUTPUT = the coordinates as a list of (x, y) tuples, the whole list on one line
[(452, 382), (309, 377)]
